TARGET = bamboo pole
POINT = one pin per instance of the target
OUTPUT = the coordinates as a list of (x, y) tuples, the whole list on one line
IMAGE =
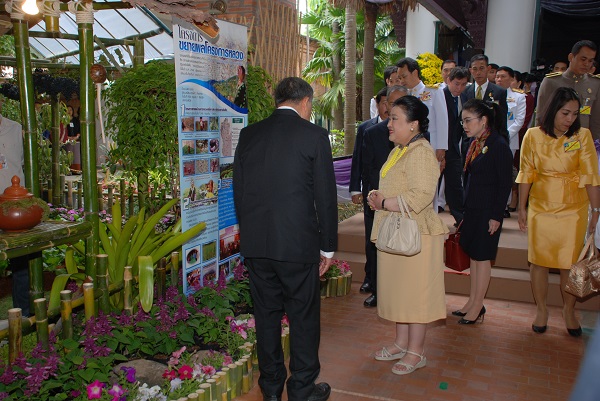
[(123, 197), (66, 311), (15, 336), (110, 191), (174, 269), (89, 301), (41, 322), (102, 281), (128, 290), (54, 107), (63, 194), (161, 274), (70, 194), (87, 116)]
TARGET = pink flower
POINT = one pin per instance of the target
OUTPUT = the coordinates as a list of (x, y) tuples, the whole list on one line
[(116, 390), (251, 323), (185, 372), (208, 370), (177, 354), (94, 390)]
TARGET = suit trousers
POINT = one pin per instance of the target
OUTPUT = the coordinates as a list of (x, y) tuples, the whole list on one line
[(454, 187), (293, 288), (370, 249)]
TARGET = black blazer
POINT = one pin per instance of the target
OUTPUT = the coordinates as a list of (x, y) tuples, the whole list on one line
[(455, 130), (375, 151), (284, 189), (488, 179), (497, 93), (356, 169)]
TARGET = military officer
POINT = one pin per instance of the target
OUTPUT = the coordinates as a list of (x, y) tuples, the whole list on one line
[(515, 100), (588, 86)]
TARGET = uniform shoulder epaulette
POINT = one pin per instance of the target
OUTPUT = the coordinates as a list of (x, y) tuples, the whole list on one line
[(518, 90), (434, 86), (553, 74), (596, 76)]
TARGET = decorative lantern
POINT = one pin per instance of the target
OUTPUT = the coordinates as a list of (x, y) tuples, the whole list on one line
[(98, 74)]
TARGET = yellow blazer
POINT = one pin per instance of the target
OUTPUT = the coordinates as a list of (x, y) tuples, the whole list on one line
[(414, 177)]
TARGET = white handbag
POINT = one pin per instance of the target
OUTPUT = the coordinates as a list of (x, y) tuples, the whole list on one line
[(399, 232)]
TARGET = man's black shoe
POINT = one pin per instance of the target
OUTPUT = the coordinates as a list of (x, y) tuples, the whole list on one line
[(366, 287), (320, 393), (271, 398), (371, 301), (506, 214)]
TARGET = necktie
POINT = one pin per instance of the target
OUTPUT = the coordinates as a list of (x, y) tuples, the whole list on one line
[(479, 95), (456, 104)]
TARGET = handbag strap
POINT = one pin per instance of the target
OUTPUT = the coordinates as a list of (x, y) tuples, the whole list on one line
[(586, 247), (403, 207)]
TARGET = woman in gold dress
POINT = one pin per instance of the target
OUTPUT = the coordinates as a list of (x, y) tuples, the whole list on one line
[(410, 289), (559, 173)]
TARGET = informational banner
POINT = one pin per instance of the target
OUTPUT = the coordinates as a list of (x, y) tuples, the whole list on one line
[(212, 108)]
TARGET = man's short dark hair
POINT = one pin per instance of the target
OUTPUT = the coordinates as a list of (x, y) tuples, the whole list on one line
[(292, 89), (581, 44), (410, 63), (508, 70), (389, 70), (448, 62), (458, 73), (479, 57), (494, 66), (382, 92)]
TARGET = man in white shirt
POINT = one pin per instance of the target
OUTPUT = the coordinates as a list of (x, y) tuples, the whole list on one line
[(515, 100), (390, 75)]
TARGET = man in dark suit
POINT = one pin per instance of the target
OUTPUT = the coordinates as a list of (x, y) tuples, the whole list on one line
[(457, 142), (286, 202), (484, 89), (357, 190), (376, 147)]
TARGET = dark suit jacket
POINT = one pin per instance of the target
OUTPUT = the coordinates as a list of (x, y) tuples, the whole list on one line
[(489, 178), (356, 169), (497, 93), (375, 151), (455, 130), (284, 189)]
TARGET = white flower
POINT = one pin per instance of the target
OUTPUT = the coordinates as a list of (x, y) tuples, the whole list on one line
[(175, 384)]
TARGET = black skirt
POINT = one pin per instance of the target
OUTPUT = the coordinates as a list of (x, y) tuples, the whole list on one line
[(475, 239)]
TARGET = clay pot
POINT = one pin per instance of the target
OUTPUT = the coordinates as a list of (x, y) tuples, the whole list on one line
[(18, 218)]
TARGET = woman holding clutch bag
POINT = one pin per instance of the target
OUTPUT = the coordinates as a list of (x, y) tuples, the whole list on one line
[(410, 289), (488, 181), (559, 170)]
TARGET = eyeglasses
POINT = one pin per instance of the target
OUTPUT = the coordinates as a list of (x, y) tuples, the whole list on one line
[(468, 120)]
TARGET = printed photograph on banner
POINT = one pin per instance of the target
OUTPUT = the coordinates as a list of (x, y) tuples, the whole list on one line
[(192, 256), (209, 272), (202, 124), (229, 241), (234, 263), (189, 168), (188, 147), (214, 165), (202, 166), (187, 124), (201, 146), (209, 251), (214, 145), (224, 269), (214, 123), (193, 279)]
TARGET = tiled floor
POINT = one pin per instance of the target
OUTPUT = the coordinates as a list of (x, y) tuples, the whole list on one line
[(501, 359)]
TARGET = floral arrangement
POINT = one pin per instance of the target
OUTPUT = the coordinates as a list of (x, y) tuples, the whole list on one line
[(430, 66), (337, 268)]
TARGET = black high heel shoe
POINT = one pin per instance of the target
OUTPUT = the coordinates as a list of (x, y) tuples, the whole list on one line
[(575, 332), (539, 329), (461, 314), (481, 315)]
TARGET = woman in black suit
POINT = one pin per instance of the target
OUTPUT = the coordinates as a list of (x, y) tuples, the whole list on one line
[(488, 180)]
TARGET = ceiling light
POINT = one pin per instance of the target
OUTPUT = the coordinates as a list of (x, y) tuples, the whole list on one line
[(30, 7)]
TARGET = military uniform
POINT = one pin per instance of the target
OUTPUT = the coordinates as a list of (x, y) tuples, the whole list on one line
[(433, 97), (515, 99), (588, 87)]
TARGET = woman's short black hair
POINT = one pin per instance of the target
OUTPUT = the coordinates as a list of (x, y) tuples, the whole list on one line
[(489, 109), (562, 96), (415, 110)]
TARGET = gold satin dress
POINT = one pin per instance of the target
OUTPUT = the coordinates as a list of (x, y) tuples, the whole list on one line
[(557, 217)]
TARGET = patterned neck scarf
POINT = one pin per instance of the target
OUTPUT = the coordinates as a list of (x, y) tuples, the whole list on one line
[(476, 147)]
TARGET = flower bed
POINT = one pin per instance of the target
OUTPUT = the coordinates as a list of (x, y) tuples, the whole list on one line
[(336, 282)]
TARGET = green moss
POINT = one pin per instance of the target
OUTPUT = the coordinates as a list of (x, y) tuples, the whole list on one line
[(25, 204)]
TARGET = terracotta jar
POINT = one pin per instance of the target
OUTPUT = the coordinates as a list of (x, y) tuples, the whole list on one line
[(18, 217)]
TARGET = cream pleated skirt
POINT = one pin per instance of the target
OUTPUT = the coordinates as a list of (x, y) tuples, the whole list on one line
[(410, 289)]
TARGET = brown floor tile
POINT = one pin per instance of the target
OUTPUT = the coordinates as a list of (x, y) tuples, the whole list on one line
[(501, 359)]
